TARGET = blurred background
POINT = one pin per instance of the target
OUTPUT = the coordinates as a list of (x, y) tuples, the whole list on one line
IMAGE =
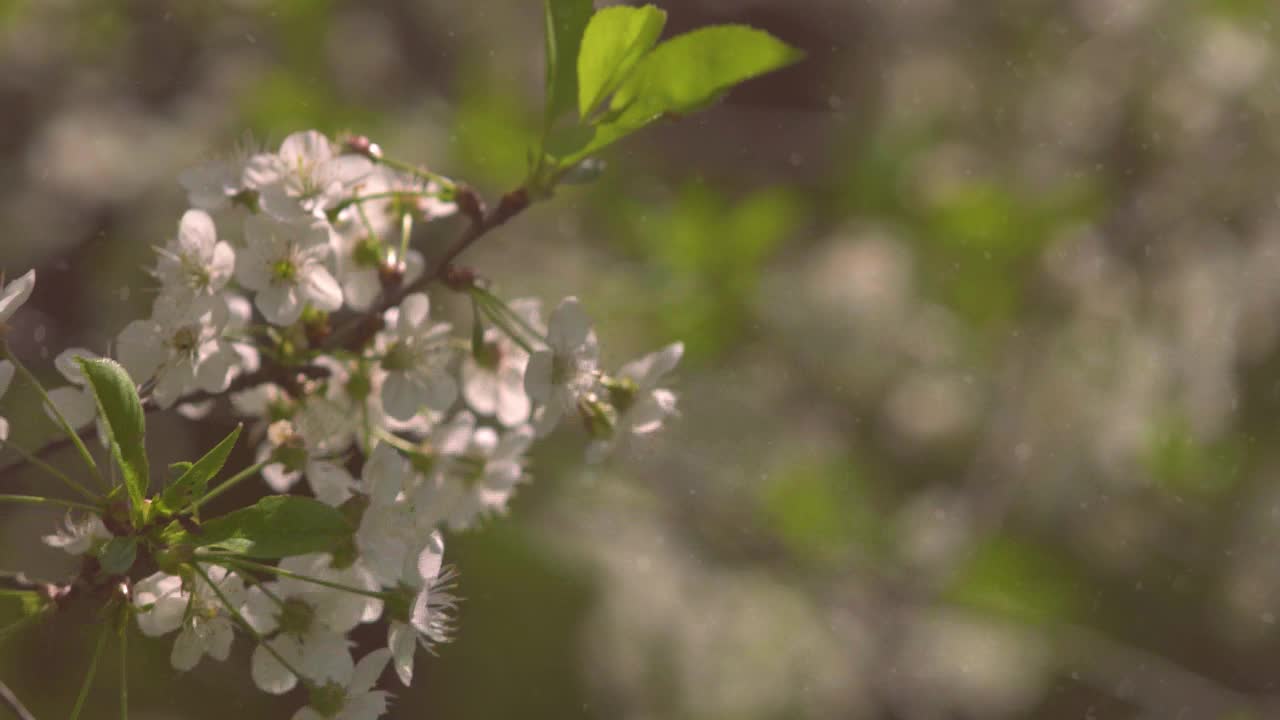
[(982, 390)]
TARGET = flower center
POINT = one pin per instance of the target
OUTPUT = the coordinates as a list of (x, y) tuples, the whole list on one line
[(367, 253), (284, 271), (399, 358), (296, 617), (329, 699)]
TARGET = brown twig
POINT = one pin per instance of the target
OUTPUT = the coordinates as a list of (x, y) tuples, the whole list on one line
[(357, 333)]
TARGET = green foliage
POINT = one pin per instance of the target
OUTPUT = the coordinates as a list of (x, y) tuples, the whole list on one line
[(822, 510), (617, 58), (1181, 463), (616, 39), (1017, 579), (275, 527), (709, 253), (126, 423), (117, 555), (195, 479), (566, 22)]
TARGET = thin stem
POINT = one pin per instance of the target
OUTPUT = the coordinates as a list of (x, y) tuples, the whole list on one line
[(62, 421), (414, 170), (250, 565), (502, 317), (31, 458), (235, 613), (388, 195), (15, 706), (93, 670), (230, 483), (37, 500)]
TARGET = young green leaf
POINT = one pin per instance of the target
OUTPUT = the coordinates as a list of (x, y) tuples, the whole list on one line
[(126, 423), (195, 480), (566, 21), (276, 527), (613, 44), (681, 75), (118, 555), (690, 71)]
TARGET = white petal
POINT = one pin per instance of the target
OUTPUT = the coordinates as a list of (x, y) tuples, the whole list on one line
[(322, 290), (140, 349), (569, 327), (331, 483), (196, 233), (76, 405), (268, 674), (366, 673), (537, 376), (403, 643), (15, 294), (279, 304), (479, 387), (188, 648), (402, 397), (414, 310), (305, 148)]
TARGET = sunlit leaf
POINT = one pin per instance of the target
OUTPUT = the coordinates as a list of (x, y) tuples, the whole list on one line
[(125, 421), (615, 41), (276, 527)]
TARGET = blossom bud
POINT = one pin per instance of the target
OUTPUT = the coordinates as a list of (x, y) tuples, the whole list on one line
[(470, 203), (361, 145)]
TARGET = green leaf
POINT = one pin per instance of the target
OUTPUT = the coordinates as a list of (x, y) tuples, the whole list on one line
[(566, 22), (276, 527), (195, 480), (690, 71), (684, 74), (126, 423), (118, 555), (614, 42)]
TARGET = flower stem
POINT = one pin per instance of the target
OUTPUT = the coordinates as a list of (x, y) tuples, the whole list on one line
[(414, 170), (31, 458), (230, 483), (241, 563), (37, 500), (62, 421), (235, 613), (93, 670)]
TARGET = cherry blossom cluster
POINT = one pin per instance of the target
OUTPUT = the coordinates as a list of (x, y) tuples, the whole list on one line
[(292, 296)]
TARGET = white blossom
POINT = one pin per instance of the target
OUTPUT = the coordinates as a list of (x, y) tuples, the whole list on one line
[(427, 588), (560, 374), (15, 294), (476, 471), (284, 263), (641, 405), (307, 176), (195, 263), (390, 533), (183, 348), (311, 620), (77, 538), (351, 697), (165, 603), (493, 379), (415, 353), (75, 402)]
